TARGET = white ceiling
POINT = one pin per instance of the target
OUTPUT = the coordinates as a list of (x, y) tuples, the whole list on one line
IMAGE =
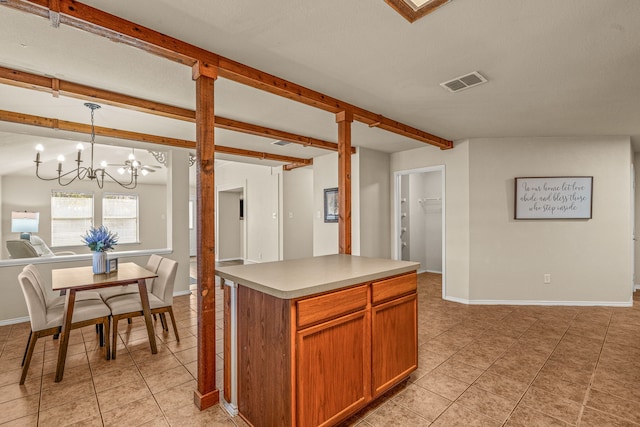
[(555, 68)]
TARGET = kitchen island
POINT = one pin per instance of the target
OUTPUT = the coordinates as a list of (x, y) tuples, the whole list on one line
[(311, 341)]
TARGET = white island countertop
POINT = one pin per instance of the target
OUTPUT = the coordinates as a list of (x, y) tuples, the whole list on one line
[(308, 276)]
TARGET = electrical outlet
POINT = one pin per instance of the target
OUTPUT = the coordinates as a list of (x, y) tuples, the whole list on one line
[(547, 278)]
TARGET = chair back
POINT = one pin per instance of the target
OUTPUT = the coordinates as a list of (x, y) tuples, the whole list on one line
[(163, 286), (36, 304), (37, 279), (21, 249), (152, 265)]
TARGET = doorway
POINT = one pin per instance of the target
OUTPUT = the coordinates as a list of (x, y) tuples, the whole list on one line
[(231, 224), (419, 229)]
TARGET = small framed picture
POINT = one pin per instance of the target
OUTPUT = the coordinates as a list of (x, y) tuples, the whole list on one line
[(112, 265), (331, 204)]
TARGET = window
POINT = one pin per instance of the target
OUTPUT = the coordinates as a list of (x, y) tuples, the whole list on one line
[(120, 215), (71, 216)]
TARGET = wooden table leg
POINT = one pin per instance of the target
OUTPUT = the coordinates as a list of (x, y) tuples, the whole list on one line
[(144, 299), (69, 303)]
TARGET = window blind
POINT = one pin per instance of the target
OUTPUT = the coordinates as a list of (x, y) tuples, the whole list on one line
[(120, 215), (71, 217)]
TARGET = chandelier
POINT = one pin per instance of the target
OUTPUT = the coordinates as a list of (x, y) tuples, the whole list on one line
[(84, 172)]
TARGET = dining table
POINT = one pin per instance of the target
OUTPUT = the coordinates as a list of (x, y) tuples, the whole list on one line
[(69, 281)]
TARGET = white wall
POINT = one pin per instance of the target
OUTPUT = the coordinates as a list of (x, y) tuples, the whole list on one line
[(432, 212), (261, 206), (589, 260), (297, 213), (371, 207), (229, 226), (491, 258), (636, 243), (425, 219), (456, 164), (325, 175), (152, 202)]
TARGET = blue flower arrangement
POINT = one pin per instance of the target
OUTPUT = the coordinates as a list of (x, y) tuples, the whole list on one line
[(100, 239)]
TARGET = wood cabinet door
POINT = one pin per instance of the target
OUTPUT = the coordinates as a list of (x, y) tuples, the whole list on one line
[(333, 369), (394, 342)]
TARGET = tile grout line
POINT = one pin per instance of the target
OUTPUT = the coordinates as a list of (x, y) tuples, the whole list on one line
[(530, 384)]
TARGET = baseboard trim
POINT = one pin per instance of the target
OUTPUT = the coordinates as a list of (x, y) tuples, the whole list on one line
[(540, 302), (185, 292), (251, 261), (14, 321), (434, 271)]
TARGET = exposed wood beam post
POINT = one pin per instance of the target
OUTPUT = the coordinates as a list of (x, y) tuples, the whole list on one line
[(344, 120), (206, 395)]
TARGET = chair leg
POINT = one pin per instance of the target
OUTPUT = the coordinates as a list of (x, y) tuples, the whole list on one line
[(114, 334), (173, 322), (27, 347), (105, 328), (56, 336), (163, 321), (27, 362), (100, 331), (129, 320)]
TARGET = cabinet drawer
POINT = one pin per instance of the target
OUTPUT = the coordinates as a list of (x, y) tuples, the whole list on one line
[(329, 306), (394, 287)]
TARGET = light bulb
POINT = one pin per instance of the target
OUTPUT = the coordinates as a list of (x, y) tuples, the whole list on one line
[(103, 164), (135, 164), (132, 157), (80, 146), (39, 148), (121, 171), (144, 172), (61, 158)]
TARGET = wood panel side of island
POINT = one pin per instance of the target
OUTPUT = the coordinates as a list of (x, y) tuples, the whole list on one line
[(264, 359)]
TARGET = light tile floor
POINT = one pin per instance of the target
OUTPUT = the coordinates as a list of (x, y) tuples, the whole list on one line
[(478, 366)]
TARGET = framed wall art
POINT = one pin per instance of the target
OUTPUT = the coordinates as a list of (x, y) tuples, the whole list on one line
[(331, 204), (555, 197)]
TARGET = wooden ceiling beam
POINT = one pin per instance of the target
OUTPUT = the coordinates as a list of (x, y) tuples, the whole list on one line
[(46, 122), (75, 90), (98, 22), (263, 156), (251, 129)]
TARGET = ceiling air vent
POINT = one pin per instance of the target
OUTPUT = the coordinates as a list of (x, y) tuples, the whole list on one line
[(281, 143), (464, 82)]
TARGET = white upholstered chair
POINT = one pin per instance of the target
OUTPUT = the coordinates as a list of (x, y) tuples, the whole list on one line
[(160, 301), (55, 301), (152, 265), (47, 320), (21, 249)]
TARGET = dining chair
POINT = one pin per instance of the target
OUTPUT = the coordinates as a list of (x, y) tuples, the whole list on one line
[(152, 265), (47, 321), (160, 301), (52, 301), (58, 300)]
